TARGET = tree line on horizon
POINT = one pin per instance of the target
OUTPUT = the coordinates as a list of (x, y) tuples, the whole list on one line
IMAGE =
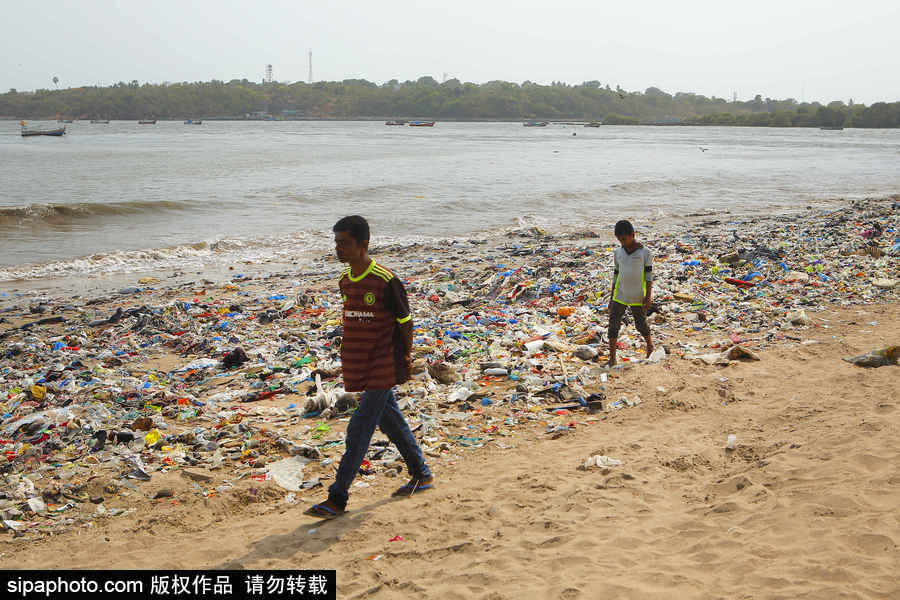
[(427, 98)]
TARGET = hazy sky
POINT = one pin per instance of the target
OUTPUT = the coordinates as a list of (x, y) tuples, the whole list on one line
[(812, 50)]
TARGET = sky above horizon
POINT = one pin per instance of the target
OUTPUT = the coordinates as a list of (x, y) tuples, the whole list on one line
[(812, 51)]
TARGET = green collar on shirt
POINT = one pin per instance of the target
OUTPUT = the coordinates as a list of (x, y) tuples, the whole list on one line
[(364, 273)]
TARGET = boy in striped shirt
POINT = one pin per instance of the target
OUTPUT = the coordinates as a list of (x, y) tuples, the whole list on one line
[(376, 354)]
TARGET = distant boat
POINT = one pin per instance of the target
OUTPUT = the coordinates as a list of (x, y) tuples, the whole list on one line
[(192, 122), (147, 122), (421, 123), (26, 132), (535, 123), (593, 124), (100, 121), (395, 122), (831, 128)]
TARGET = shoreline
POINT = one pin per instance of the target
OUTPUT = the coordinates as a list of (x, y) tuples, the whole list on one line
[(107, 282), (564, 121)]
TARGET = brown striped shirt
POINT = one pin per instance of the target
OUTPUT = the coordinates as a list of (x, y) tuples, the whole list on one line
[(372, 350)]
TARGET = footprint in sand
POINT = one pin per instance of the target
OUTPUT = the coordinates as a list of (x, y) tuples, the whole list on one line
[(870, 543), (871, 463), (726, 507), (730, 486)]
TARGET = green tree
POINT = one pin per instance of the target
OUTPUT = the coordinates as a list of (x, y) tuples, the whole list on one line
[(425, 97), (613, 119)]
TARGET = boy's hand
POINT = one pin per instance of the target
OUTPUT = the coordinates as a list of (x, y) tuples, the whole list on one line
[(647, 302)]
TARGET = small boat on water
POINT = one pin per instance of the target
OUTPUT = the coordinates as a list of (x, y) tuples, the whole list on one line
[(192, 122), (395, 122), (421, 123), (535, 123), (593, 124), (30, 132), (147, 122), (100, 121)]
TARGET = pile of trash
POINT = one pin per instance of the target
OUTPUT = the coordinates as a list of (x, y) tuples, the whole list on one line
[(241, 380)]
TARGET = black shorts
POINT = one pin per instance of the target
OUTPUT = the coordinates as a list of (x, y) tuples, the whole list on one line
[(617, 311)]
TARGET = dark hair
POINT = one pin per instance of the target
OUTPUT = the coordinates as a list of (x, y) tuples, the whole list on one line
[(624, 228), (356, 225)]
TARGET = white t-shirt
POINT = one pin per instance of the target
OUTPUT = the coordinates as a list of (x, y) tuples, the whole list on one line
[(633, 272)]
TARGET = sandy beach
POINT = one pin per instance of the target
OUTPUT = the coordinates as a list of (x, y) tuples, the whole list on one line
[(803, 505)]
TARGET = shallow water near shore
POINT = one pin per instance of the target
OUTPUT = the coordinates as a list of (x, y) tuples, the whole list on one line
[(125, 199)]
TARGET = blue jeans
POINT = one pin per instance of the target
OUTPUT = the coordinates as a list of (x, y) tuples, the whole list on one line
[(376, 407)]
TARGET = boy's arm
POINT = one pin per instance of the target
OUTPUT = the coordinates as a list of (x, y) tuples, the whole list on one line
[(648, 279), (612, 288), (406, 334), (399, 305), (648, 296)]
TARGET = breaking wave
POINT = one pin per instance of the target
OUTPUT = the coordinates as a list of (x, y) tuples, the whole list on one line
[(203, 255), (197, 255), (52, 215)]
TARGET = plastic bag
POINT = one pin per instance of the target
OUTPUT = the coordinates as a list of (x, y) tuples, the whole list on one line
[(288, 473), (877, 358)]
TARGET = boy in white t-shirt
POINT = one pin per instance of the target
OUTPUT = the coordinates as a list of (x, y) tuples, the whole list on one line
[(631, 288)]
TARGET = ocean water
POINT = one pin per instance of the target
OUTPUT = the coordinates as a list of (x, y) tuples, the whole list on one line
[(125, 197)]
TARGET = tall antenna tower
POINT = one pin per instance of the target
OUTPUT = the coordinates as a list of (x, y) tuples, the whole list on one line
[(310, 67), (268, 78)]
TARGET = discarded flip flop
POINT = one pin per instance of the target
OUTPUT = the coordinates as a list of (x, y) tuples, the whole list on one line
[(414, 486), (323, 512)]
